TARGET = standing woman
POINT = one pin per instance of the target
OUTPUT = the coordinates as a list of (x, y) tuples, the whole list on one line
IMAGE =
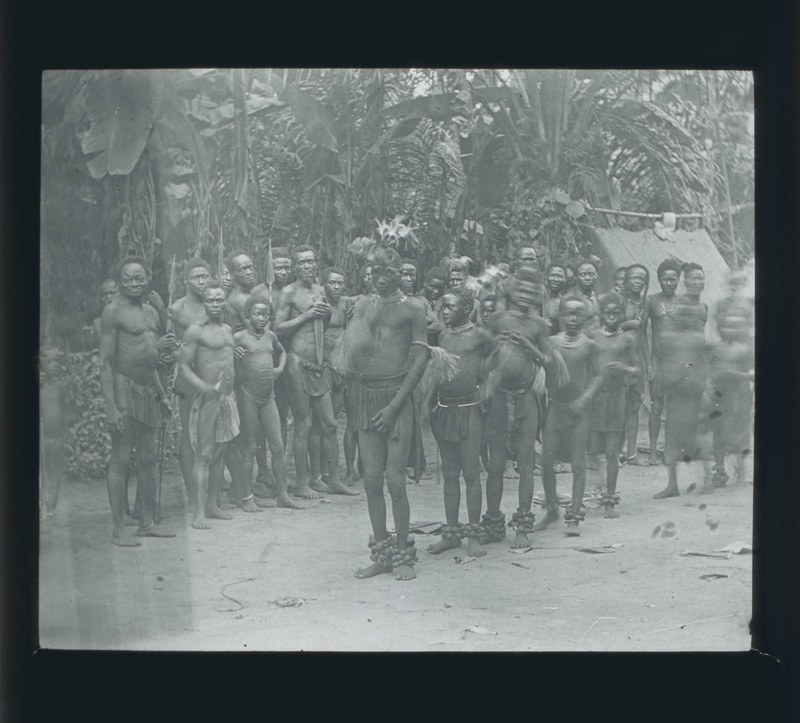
[(634, 290)]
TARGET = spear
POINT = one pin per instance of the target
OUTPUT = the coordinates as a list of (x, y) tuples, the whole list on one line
[(220, 260)]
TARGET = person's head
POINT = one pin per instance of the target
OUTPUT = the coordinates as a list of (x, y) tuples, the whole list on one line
[(737, 283), (457, 305), (214, 301), (694, 279), (108, 290), (504, 269), (386, 271), (366, 279), (258, 311), (281, 266), (586, 274), (637, 280), (52, 362), (408, 277), (197, 275), (456, 278), (526, 293), (242, 269), (572, 314), (733, 325), (333, 283), (435, 281), (525, 256), (612, 309), (133, 277), (488, 306), (226, 279), (668, 273), (686, 315), (619, 277), (556, 276), (304, 261)]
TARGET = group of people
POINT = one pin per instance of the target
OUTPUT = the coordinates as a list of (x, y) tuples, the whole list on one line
[(527, 352)]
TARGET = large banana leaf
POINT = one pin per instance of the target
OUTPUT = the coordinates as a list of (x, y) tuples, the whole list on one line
[(319, 123), (121, 107)]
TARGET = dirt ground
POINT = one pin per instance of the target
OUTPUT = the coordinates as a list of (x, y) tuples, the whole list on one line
[(283, 579)]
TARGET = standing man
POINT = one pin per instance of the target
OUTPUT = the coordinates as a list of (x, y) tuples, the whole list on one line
[(299, 322), (386, 347), (586, 278), (243, 271), (207, 364), (659, 312), (183, 313), (134, 397)]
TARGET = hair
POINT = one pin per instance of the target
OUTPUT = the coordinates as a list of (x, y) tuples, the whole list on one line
[(410, 262), (691, 266), (122, 263), (229, 259), (581, 262), (567, 299), (281, 252), (465, 295), (622, 268), (331, 270), (436, 273), (301, 250), (518, 251), (194, 263), (214, 284), (612, 298), (556, 264), (489, 297), (456, 264), (258, 299), (109, 280), (386, 257), (668, 265), (646, 276)]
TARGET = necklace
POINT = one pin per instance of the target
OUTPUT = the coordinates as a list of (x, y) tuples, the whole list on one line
[(461, 329), (612, 333), (253, 334), (395, 298), (572, 343)]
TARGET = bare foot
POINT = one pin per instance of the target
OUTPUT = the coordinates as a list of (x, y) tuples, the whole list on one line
[(546, 520), (249, 505), (286, 501), (668, 492), (128, 521), (374, 569), (510, 473), (653, 461), (404, 572), (520, 541), (634, 460), (154, 531), (120, 539), (611, 512), (349, 480), (337, 488), (304, 492), (319, 485), (443, 545), (263, 503), (215, 513), (572, 529), (474, 547)]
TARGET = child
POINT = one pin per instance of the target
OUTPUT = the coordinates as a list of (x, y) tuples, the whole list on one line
[(684, 378), (616, 358), (457, 423), (731, 364), (256, 349), (567, 422), (57, 413)]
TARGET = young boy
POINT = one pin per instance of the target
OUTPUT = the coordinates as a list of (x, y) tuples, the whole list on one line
[(567, 425), (616, 359), (731, 362), (255, 354), (684, 379), (57, 413), (457, 423)]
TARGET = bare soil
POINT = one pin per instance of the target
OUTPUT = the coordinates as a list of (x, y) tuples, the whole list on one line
[(283, 579)]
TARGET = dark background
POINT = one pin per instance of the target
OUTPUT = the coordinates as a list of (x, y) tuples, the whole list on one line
[(735, 34)]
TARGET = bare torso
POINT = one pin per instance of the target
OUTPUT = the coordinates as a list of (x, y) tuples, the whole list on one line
[(513, 364), (382, 335), (660, 313), (299, 299), (618, 348), (213, 361), (470, 347), (335, 328), (255, 371), (236, 302), (184, 312), (137, 328), (581, 364)]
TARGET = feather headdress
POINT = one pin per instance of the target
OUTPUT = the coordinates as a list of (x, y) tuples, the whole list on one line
[(394, 234)]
